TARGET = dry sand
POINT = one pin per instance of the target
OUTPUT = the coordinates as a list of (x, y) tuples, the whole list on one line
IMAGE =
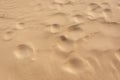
[(59, 39)]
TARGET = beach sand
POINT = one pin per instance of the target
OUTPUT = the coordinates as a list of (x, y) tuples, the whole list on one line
[(59, 39)]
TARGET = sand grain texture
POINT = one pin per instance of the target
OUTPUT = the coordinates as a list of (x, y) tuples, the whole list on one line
[(59, 40)]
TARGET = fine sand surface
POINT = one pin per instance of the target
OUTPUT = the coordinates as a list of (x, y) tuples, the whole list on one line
[(59, 39)]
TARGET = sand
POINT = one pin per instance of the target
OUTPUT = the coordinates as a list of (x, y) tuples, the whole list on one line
[(59, 39)]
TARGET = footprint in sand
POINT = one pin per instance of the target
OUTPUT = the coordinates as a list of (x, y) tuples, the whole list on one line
[(78, 18), (24, 51), (19, 26), (9, 35), (94, 11), (64, 47), (118, 5), (74, 32), (77, 65), (107, 12), (55, 28)]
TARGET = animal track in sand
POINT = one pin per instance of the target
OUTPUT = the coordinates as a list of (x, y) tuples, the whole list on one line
[(24, 51)]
